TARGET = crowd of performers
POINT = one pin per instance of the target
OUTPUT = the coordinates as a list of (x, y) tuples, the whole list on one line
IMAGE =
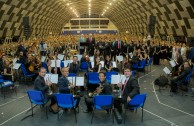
[(104, 47)]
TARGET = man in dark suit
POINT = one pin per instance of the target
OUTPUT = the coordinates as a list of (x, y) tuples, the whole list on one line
[(74, 66), (65, 86), (91, 43), (41, 85), (178, 80), (129, 89), (103, 89), (119, 46)]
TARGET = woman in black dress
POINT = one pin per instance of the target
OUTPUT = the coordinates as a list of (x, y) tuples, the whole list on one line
[(156, 60)]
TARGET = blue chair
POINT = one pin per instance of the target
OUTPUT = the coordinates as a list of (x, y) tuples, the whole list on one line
[(103, 102), (45, 66), (72, 75), (6, 84), (25, 73), (149, 63), (137, 102), (142, 65), (93, 78), (109, 74), (66, 101), (133, 73), (84, 66), (37, 98), (135, 66)]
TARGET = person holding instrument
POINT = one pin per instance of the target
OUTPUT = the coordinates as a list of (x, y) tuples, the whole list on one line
[(128, 90), (103, 89), (65, 86), (41, 85)]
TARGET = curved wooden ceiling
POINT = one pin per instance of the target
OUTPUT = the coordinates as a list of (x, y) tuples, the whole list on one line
[(173, 16)]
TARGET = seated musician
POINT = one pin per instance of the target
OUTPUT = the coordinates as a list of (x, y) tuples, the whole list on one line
[(97, 65), (178, 80), (65, 86), (7, 71), (55, 70), (103, 89), (22, 58), (129, 89), (108, 64), (29, 63), (41, 85), (74, 66)]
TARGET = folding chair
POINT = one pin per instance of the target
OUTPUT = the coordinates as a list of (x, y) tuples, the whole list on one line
[(25, 73), (103, 102), (6, 84), (66, 101), (37, 98), (136, 102)]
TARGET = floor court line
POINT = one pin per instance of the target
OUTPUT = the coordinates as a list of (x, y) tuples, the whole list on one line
[(172, 124), (12, 100), (169, 105), (14, 116)]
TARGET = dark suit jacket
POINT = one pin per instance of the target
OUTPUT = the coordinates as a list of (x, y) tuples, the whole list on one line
[(183, 75), (90, 43), (131, 88), (107, 89), (39, 84), (63, 85), (73, 68)]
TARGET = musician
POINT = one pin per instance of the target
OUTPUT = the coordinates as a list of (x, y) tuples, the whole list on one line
[(103, 89), (128, 90), (41, 85), (97, 65), (43, 47), (178, 80), (108, 64), (64, 85), (119, 46), (74, 66), (81, 40), (91, 41), (7, 71), (22, 58)]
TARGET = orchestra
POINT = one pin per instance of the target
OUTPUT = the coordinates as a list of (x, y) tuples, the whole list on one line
[(104, 48)]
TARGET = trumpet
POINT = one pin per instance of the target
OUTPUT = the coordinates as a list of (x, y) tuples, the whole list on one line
[(96, 92)]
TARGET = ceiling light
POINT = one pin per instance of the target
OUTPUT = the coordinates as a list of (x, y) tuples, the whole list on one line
[(89, 5), (107, 7), (71, 8), (110, 3), (105, 10)]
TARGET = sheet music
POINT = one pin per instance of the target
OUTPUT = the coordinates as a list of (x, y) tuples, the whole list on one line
[(71, 80), (102, 62), (60, 56), (66, 63), (172, 63), (123, 78), (92, 64), (114, 64), (166, 70), (14, 60), (43, 58), (58, 63), (16, 66), (91, 58), (53, 78), (120, 58), (115, 79), (78, 57), (79, 81), (131, 55)]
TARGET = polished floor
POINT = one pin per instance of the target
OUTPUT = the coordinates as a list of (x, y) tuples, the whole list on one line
[(161, 108)]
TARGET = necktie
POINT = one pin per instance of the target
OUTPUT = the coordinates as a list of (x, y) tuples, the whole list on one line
[(90, 40), (125, 83), (119, 45)]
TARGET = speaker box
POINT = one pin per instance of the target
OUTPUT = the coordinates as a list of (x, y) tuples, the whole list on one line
[(152, 20), (26, 21), (190, 41), (151, 25)]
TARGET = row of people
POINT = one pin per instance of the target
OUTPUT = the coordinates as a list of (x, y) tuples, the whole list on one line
[(129, 89)]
